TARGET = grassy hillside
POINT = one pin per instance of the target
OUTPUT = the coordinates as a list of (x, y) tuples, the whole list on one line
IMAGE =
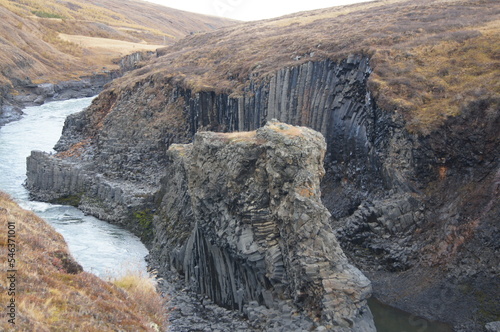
[(52, 293), (54, 40), (429, 58)]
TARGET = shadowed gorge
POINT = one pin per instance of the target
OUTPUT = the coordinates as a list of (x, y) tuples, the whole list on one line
[(406, 96)]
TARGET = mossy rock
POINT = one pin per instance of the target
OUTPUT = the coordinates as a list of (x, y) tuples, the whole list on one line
[(144, 218), (73, 200)]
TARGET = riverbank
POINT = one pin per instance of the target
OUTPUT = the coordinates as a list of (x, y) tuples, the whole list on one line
[(48, 289), (24, 92), (28, 93), (120, 254)]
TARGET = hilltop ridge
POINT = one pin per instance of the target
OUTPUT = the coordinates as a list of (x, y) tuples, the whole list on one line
[(52, 41)]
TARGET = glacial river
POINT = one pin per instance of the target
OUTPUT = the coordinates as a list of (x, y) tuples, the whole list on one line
[(101, 248)]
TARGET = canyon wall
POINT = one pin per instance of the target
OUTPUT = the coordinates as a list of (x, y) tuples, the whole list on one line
[(415, 212), (130, 129), (120, 142)]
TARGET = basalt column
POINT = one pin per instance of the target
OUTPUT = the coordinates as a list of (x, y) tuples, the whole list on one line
[(242, 219)]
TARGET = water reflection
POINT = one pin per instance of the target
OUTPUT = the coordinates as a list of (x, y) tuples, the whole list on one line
[(390, 319)]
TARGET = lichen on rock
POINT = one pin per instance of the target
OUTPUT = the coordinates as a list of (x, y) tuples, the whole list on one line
[(242, 220)]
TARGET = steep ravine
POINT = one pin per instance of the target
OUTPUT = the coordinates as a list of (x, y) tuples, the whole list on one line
[(418, 214)]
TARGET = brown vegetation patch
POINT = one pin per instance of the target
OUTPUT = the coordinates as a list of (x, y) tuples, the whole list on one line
[(75, 150), (286, 129), (53, 294), (242, 136), (456, 237), (65, 263), (306, 192), (429, 58)]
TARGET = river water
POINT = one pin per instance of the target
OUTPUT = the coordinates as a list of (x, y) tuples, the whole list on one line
[(101, 248)]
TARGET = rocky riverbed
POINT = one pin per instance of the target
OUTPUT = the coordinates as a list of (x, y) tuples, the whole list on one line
[(190, 311)]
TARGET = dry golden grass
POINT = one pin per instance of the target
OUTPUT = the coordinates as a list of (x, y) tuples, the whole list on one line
[(287, 129), (139, 17), (240, 136), (32, 46), (429, 58), (53, 294), (117, 48)]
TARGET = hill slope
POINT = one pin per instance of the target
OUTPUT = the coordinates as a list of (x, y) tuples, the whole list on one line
[(430, 44), (50, 291), (52, 40)]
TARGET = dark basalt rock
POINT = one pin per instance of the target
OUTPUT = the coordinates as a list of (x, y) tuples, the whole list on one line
[(241, 218), (400, 203)]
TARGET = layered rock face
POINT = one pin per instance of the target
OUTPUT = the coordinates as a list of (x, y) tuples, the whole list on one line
[(241, 218), (66, 182), (130, 130)]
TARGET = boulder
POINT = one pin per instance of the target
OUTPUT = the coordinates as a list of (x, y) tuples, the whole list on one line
[(493, 327)]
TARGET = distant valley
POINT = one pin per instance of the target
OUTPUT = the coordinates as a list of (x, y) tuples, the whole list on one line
[(53, 41)]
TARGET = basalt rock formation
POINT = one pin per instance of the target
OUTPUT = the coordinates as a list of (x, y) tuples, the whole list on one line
[(385, 188), (416, 211), (241, 218), (122, 149)]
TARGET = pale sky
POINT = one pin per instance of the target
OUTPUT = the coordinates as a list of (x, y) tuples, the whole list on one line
[(249, 10)]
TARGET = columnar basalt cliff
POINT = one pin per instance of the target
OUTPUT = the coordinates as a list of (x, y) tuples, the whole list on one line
[(140, 122), (383, 186), (241, 218), (124, 140), (408, 106)]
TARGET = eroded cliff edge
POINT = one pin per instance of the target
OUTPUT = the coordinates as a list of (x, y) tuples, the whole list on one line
[(241, 218)]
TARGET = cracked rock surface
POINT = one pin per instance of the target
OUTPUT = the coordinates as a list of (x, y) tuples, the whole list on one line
[(242, 221)]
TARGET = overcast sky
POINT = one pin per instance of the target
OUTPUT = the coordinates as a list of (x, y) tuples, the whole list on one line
[(249, 10)]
